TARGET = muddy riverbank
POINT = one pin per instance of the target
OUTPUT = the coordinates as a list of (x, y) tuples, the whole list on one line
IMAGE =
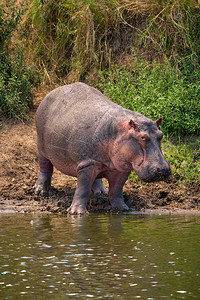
[(19, 169)]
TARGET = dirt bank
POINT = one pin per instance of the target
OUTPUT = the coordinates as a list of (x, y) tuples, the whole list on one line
[(19, 169)]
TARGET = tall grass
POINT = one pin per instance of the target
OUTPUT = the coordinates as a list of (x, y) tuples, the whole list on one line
[(80, 36), (69, 36)]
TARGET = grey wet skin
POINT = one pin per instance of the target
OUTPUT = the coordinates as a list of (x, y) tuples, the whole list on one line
[(84, 134)]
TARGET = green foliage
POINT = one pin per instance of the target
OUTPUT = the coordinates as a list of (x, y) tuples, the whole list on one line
[(184, 158), (16, 79), (155, 91)]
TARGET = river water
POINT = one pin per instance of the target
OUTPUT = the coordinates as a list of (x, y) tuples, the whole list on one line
[(99, 256)]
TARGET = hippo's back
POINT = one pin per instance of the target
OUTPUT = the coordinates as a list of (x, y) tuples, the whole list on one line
[(74, 104), (71, 120)]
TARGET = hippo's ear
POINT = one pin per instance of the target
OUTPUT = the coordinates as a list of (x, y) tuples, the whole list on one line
[(159, 122), (134, 125)]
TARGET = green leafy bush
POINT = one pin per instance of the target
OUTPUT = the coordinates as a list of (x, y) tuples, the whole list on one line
[(16, 82), (184, 158), (16, 79), (155, 91)]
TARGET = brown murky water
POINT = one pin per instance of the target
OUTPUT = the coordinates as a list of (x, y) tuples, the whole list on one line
[(99, 257)]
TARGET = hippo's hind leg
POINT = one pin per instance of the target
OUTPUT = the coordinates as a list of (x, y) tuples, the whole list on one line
[(116, 183), (98, 187), (43, 183)]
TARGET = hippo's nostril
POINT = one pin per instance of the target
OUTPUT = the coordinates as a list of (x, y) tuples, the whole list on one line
[(158, 170), (166, 172)]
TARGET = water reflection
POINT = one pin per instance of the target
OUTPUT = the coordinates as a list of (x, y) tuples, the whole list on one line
[(99, 256)]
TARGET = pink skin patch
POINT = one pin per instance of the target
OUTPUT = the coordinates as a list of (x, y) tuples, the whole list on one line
[(127, 152)]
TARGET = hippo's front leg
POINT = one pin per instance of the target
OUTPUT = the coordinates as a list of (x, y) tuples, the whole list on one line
[(86, 174), (116, 182)]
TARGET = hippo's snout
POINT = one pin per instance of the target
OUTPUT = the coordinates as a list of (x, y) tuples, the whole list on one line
[(150, 174), (163, 173)]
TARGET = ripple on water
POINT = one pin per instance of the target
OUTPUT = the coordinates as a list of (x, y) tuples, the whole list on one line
[(114, 257)]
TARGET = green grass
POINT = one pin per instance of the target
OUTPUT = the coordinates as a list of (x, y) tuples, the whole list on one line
[(157, 90), (184, 158)]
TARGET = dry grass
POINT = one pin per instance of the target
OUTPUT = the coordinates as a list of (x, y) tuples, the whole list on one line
[(73, 38)]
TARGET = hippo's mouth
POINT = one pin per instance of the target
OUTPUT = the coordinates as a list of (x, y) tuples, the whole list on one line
[(141, 163), (137, 165), (156, 178), (153, 175)]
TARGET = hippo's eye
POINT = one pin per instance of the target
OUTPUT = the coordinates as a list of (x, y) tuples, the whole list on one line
[(144, 137)]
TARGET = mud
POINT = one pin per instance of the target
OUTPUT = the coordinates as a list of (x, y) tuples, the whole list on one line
[(19, 169)]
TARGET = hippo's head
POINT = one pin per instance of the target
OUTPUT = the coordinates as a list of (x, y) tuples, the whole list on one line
[(138, 147)]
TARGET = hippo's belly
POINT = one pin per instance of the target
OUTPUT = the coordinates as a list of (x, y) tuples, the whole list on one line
[(64, 166)]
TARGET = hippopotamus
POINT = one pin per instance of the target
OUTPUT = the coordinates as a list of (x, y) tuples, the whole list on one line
[(84, 134)]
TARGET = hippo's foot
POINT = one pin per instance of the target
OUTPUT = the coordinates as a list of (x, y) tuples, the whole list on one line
[(43, 184), (98, 187), (119, 204), (77, 209)]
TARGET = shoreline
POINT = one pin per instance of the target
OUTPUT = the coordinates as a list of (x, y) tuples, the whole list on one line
[(148, 212)]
